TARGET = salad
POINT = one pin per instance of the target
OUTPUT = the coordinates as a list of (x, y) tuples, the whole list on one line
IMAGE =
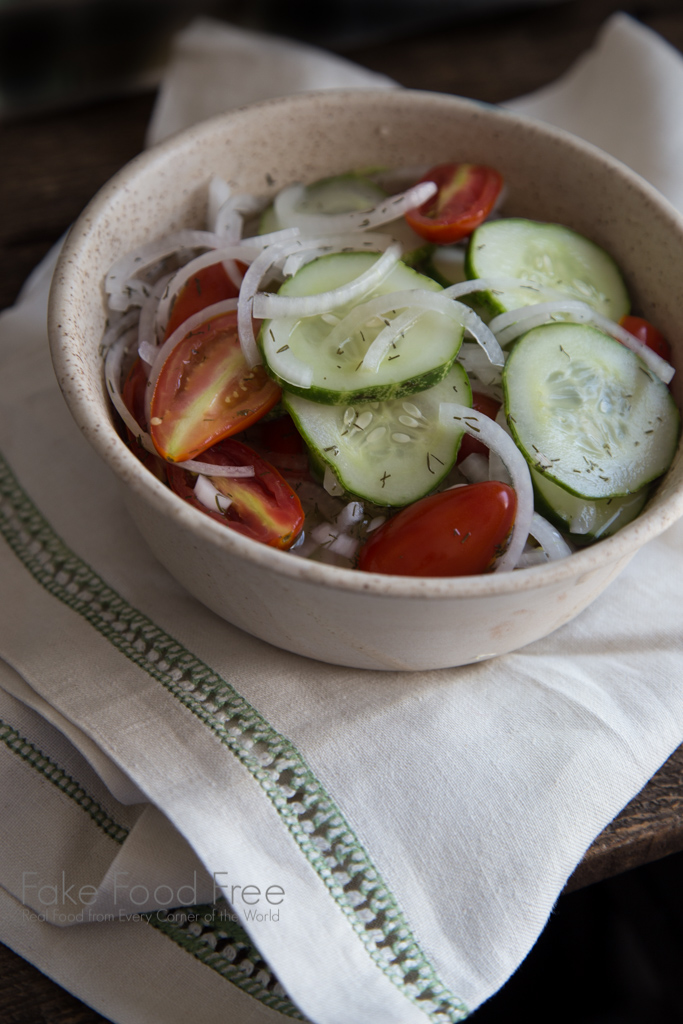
[(391, 379)]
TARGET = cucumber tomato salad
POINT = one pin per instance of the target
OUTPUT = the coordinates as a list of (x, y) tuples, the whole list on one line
[(392, 379)]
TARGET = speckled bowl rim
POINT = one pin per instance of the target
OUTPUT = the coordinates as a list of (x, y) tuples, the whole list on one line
[(110, 447)]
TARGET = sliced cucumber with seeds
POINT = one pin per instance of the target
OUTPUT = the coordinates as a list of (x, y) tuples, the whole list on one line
[(551, 256), (587, 413), (419, 357), (582, 520), (390, 453), (344, 193)]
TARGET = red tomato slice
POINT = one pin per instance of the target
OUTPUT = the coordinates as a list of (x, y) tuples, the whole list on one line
[(264, 507), (282, 445), (455, 533), (209, 285), (471, 445), (466, 196), (206, 392), (648, 334)]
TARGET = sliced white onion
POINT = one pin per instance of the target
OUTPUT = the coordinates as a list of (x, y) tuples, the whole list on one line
[(219, 192), (344, 545), (475, 468), (377, 350), (477, 363), (496, 439), (391, 302), (147, 333), (131, 293), (121, 325), (267, 305), (375, 523), (230, 217), (550, 539), (210, 498), (517, 321), (112, 376), (225, 255), (287, 201), (281, 237), (192, 322), (133, 263), (209, 469), (483, 336)]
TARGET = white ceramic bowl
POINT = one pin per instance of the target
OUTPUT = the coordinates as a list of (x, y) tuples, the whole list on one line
[(336, 615)]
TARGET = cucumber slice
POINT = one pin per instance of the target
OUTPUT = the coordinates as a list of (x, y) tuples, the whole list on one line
[(446, 264), (390, 453), (553, 257), (344, 193), (587, 413), (582, 520), (422, 356)]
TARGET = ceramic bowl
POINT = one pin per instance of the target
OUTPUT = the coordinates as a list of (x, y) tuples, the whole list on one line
[(321, 611)]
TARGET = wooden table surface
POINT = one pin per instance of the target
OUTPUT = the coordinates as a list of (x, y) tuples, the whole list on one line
[(53, 163)]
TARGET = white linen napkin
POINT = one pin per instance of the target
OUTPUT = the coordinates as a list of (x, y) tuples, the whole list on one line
[(391, 844)]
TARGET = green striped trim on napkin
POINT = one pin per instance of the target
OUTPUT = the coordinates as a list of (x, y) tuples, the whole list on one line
[(305, 808), (207, 932)]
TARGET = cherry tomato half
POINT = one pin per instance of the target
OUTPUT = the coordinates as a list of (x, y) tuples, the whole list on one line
[(263, 507), (471, 445), (209, 285), (459, 532), (467, 193), (281, 444), (206, 392), (647, 333)]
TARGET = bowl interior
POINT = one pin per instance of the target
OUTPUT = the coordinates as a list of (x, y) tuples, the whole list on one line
[(550, 176)]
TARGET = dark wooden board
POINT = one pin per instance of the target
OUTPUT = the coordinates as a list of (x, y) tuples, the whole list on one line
[(53, 163)]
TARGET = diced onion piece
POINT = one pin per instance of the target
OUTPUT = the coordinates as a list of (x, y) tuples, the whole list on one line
[(344, 545), (375, 523), (497, 440), (196, 320), (287, 201), (210, 498), (350, 514), (210, 469), (267, 305), (550, 539)]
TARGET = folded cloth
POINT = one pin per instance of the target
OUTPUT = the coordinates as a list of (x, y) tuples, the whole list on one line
[(388, 844)]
